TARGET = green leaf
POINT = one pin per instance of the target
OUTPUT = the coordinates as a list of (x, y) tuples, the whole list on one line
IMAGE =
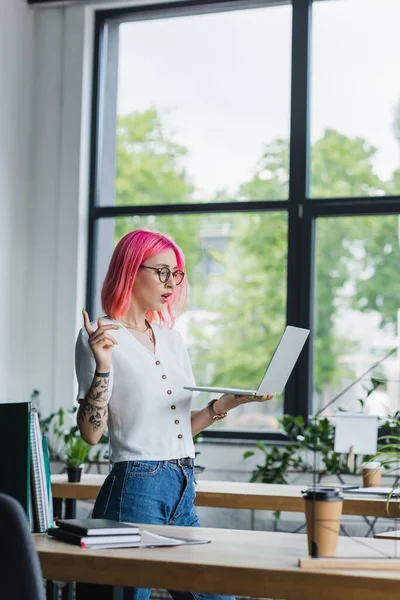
[(248, 454), (261, 447)]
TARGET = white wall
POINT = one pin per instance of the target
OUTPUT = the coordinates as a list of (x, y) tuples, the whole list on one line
[(16, 50), (59, 199), (45, 94), (45, 83)]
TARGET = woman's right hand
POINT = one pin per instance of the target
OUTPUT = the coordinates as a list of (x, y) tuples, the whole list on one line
[(100, 342)]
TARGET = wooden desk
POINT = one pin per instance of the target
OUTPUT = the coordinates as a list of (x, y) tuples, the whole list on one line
[(249, 563), (86, 489), (230, 494)]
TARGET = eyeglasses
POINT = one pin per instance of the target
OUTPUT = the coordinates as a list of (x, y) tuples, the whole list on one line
[(164, 274)]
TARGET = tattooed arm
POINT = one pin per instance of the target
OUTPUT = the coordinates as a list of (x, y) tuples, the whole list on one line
[(93, 410)]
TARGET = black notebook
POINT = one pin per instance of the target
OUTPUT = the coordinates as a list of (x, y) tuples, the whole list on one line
[(97, 527), (91, 541), (15, 451), (25, 470)]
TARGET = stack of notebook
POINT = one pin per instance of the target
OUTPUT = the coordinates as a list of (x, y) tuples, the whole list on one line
[(95, 533)]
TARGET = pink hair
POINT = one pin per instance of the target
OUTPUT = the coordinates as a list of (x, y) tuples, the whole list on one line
[(131, 252)]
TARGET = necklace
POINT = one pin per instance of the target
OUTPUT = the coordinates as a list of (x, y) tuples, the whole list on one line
[(151, 335), (147, 329), (129, 326)]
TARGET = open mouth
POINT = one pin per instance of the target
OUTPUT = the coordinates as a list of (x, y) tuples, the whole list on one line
[(165, 297)]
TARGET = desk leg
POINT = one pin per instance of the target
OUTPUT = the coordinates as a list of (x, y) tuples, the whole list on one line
[(51, 590), (370, 525), (67, 591), (58, 507), (91, 591), (70, 513), (70, 509)]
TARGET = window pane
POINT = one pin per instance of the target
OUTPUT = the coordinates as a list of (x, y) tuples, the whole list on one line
[(200, 118), (357, 312), (236, 268), (355, 108)]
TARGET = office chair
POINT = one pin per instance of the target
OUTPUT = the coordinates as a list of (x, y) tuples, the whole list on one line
[(20, 572)]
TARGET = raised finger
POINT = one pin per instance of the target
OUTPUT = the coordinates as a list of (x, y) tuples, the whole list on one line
[(104, 327), (86, 322)]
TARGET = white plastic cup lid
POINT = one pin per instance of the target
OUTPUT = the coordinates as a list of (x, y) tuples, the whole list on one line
[(372, 465)]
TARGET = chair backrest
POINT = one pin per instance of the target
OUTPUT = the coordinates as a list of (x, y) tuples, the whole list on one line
[(20, 572)]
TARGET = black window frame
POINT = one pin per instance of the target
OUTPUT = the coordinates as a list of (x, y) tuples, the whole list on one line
[(302, 210)]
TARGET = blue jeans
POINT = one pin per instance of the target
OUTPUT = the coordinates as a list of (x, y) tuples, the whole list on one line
[(154, 492)]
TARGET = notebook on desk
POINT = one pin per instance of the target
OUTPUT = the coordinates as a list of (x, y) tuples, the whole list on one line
[(344, 487), (388, 535), (279, 369), (372, 491), (88, 527)]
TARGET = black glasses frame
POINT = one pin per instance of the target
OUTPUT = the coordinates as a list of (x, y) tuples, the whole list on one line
[(168, 273)]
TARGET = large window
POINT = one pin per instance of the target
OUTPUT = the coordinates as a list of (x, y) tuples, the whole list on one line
[(357, 310), (264, 140), (355, 118), (204, 110)]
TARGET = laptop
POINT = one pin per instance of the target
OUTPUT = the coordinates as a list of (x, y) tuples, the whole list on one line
[(278, 371)]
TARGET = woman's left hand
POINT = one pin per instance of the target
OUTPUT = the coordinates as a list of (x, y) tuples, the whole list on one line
[(232, 400)]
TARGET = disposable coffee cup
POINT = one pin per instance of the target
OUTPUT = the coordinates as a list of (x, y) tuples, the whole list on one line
[(323, 509), (371, 474)]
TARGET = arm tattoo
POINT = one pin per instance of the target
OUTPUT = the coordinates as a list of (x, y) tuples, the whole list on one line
[(93, 409), (99, 390), (97, 415)]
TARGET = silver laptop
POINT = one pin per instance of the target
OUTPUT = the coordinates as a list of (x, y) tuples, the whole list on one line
[(281, 365)]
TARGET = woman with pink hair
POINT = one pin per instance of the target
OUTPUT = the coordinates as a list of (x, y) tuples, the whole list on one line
[(132, 366)]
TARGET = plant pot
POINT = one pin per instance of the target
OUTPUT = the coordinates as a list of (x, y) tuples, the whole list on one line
[(74, 474)]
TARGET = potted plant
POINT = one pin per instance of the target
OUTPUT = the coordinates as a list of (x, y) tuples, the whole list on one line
[(316, 437), (76, 451), (389, 451)]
